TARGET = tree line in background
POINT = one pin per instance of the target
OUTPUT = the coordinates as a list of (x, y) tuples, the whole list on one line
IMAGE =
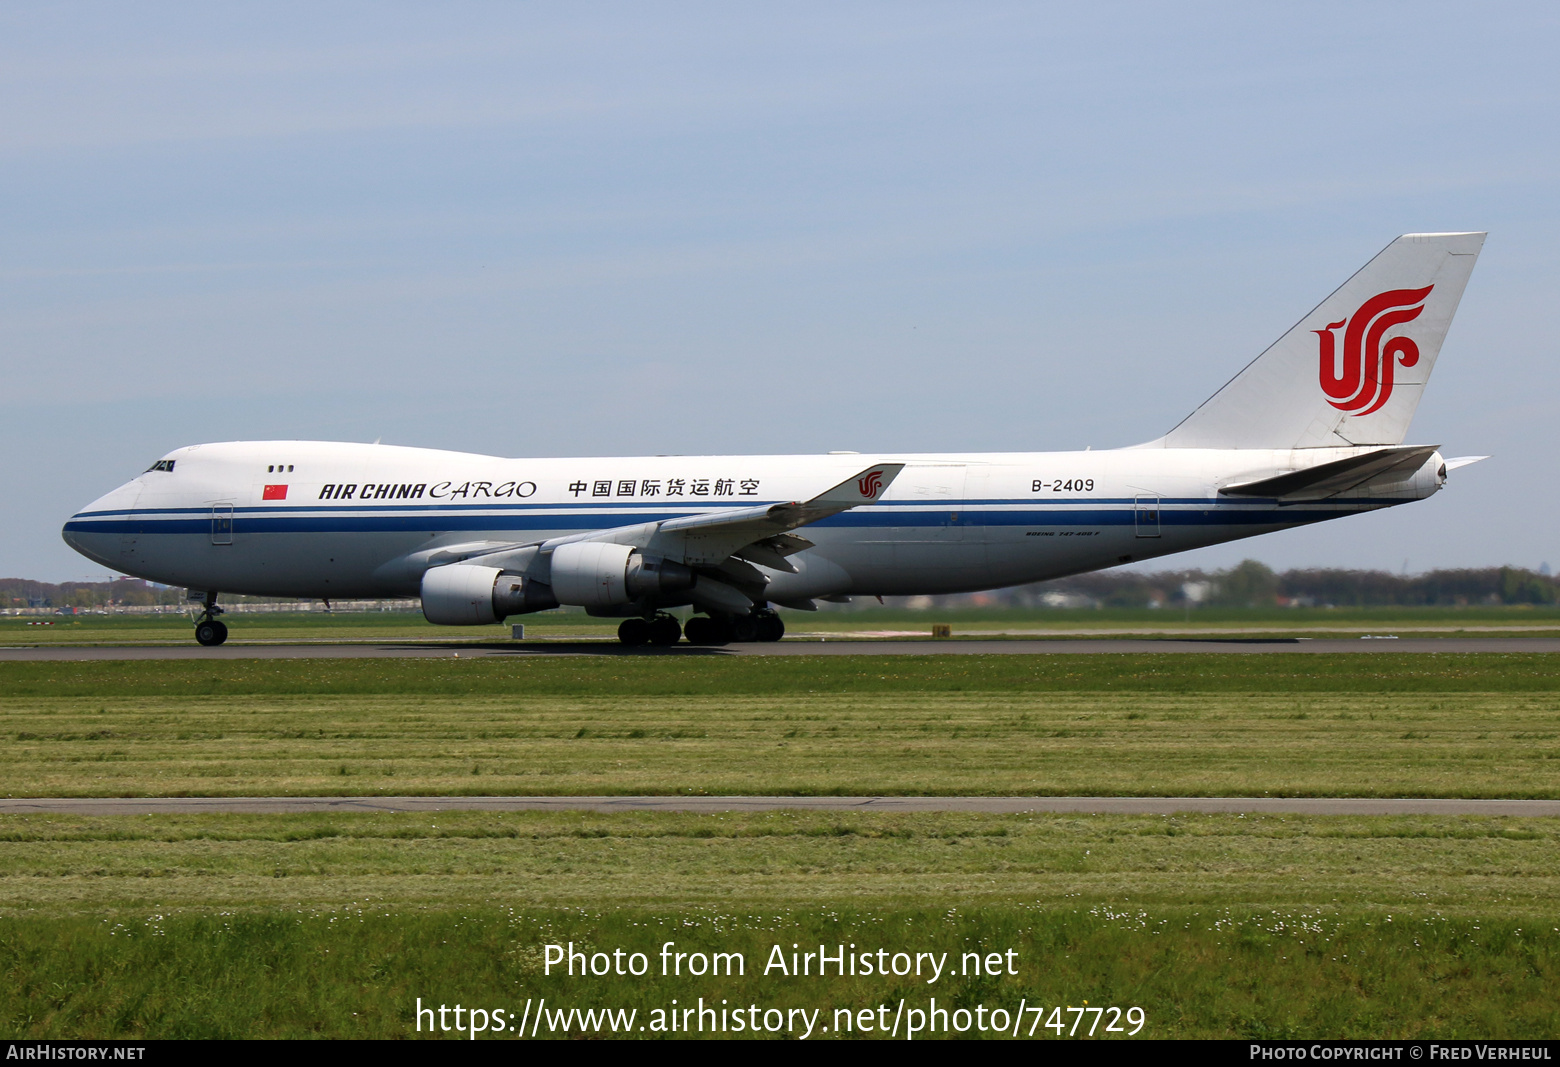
[(1255, 585), (90, 596), (105, 596), (1248, 585)]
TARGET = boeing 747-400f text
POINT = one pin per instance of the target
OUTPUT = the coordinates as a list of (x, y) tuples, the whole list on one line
[(1311, 430)]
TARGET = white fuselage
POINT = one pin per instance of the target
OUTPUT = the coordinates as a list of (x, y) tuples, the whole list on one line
[(312, 519)]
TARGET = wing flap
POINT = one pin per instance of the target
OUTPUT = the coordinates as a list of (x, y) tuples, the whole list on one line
[(766, 553)]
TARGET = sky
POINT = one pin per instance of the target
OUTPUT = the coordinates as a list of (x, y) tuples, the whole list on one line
[(620, 229)]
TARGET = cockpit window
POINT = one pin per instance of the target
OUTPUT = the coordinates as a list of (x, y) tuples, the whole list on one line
[(161, 465)]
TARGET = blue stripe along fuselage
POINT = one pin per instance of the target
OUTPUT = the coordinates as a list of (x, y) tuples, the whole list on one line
[(583, 515)]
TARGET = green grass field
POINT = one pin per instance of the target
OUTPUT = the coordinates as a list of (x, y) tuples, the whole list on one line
[(360, 970), (1215, 925), (1283, 725)]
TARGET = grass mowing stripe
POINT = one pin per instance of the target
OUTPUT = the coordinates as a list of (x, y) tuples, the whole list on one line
[(1403, 865), (980, 743), (670, 676)]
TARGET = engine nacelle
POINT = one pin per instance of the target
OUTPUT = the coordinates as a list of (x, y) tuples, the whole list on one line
[(598, 574), (466, 594)]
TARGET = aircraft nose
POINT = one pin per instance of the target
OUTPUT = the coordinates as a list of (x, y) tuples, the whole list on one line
[(94, 531)]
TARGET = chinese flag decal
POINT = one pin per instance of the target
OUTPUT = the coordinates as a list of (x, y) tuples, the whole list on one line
[(275, 492)]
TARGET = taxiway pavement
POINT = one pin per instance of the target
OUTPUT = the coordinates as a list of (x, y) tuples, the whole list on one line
[(717, 804), (809, 647)]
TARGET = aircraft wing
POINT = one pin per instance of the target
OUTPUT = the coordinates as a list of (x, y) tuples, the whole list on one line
[(729, 539), (762, 534), (1330, 479)]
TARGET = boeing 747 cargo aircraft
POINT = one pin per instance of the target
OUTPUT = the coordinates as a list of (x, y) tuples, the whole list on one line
[(1312, 429)]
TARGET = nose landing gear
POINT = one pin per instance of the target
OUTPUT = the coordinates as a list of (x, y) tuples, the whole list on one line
[(209, 630)]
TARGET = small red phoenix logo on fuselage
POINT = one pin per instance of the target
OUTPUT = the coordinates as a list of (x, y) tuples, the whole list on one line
[(1363, 382), (870, 483)]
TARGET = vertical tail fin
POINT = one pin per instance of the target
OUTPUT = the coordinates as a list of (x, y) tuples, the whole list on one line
[(1352, 371)]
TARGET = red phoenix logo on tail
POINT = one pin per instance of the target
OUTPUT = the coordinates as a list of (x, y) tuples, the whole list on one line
[(1362, 383), (870, 483)]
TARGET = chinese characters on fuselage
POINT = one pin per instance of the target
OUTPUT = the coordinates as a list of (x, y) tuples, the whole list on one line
[(664, 487), (619, 488)]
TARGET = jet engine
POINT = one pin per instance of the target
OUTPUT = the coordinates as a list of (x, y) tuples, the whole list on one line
[(466, 594), (596, 574)]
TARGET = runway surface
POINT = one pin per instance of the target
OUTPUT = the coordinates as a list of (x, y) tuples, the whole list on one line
[(712, 805), (523, 649)]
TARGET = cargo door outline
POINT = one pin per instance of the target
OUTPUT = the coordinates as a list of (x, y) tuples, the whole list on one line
[(928, 537), (130, 532), (941, 485), (222, 524)]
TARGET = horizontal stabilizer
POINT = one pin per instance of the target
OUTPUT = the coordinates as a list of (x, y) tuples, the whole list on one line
[(1330, 479), (1463, 461)]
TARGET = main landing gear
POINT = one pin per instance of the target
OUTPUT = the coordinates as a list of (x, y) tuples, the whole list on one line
[(762, 625), (209, 630), (662, 629)]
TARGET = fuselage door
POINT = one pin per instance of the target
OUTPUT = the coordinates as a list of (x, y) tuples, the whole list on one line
[(1145, 516), (222, 524)]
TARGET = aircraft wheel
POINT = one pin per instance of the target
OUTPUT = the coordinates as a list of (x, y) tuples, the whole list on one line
[(770, 626), (634, 632), (704, 630), (665, 630), (211, 632), (744, 628)]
